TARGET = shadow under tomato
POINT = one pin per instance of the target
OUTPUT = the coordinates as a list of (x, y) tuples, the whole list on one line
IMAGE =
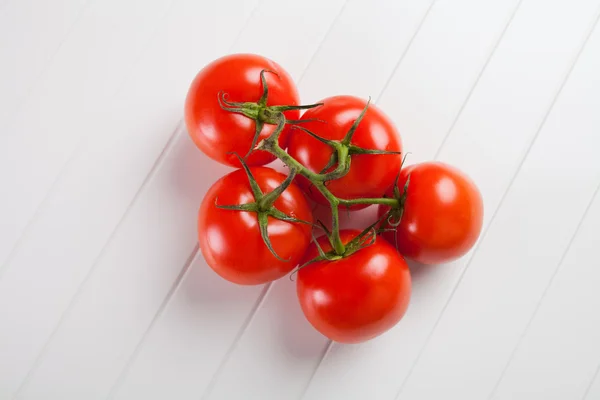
[(418, 270), (192, 173), (295, 334), (203, 295), (205, 288)]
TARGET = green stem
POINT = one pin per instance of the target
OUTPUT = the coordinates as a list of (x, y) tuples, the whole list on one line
[(340, 157), (291, 162), (394, 203), (271, 145), (336, 241), (343, 165), (267, 201)]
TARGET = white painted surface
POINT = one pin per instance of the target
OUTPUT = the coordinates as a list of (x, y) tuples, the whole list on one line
[(103, 293)]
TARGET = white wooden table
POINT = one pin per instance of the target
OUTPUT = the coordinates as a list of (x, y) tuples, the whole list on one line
[(103, 293)]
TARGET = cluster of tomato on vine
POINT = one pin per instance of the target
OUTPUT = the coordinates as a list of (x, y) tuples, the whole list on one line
[(255, 225)]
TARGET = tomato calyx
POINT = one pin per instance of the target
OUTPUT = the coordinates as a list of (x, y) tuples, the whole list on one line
[(343, 149), (336, 168), (342, 157), (263, 206), (259, 111), (363, 240), (394, 216), (398, 210)]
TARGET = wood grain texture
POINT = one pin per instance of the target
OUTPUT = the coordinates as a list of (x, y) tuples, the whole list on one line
[(103, 293)]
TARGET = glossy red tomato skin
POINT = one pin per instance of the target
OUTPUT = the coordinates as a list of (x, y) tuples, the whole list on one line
[(443, 214), (230, 241), (219, 133), (369, 175), (356, 298)]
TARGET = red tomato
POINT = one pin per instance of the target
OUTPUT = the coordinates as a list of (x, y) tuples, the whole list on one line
[(219, 133), (443, 214), (369, 175), (358, 297), (230, 240)]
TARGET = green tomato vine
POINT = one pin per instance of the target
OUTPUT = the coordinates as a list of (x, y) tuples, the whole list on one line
[(337, 167)]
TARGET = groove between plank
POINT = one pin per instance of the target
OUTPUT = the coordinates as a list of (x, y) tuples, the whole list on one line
[(11, 254), (464, 104), (312, 376), (539, 303), (320, 45), (174, 288), (408, 46), (502, 199), (589, 388), (41, 74), (155, 167), (571, 240), (65, 168), (259, 302)]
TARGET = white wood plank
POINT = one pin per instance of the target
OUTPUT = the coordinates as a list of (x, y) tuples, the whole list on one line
[(87, 203), (559, 353), (86, 73), (532, 229), (31, 32), (153, 242), (182, 349), (435, 78), (363, 49), (427, 92), (288, 348)]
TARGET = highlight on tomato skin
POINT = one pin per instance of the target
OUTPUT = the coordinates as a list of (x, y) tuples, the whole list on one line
[(443, 214), (230, 240), (220, 133), (370, 174), (356, 298)]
